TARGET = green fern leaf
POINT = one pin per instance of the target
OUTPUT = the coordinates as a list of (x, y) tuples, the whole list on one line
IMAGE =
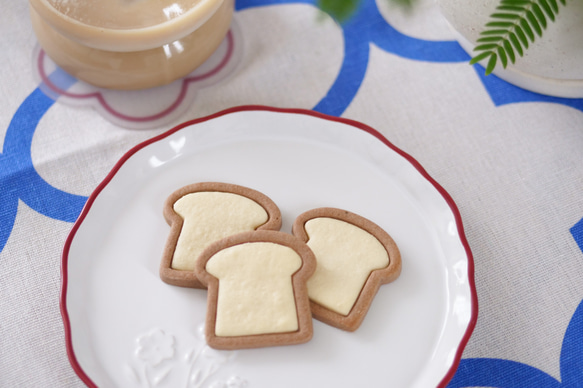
[(516, 43), (522, 36), (487, 39), (509, 51), (505, 16), (480, 57), (547, 8), (493, 32), (339, 10), (511, 28), (554, 5), (503, 57), (486, 46), (491, 63), (515, 2), (343, 10), (534, 23), (526, 27), (539, 15), (511, 8), (500, 24)]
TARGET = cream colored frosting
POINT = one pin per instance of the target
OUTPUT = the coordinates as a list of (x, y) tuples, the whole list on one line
[(345, 255), (211, 216), (255, 289)]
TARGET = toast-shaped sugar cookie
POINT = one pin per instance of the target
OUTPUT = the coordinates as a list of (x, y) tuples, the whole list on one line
[(257, 293), (354, 257), (202, 213)]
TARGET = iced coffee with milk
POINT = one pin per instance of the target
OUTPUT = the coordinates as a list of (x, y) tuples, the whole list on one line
[(130, 44)]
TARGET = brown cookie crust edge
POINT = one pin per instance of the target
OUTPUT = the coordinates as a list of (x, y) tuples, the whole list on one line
[(299, 280), (353, 320), (188, 278)]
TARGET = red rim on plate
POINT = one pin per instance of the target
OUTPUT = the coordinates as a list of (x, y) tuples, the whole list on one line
[(65, 257)]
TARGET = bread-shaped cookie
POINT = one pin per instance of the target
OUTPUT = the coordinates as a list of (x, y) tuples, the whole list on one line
[(257, 293), (354, 257), (202, 213)]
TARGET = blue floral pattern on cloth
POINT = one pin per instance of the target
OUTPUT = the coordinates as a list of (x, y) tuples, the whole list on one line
[(490, 372), (503, 93), (17, 171), (577, 232)]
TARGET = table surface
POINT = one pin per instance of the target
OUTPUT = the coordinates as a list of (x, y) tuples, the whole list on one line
[(512, 161)]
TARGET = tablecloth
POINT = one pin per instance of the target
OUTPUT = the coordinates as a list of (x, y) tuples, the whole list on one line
[(512, 161)]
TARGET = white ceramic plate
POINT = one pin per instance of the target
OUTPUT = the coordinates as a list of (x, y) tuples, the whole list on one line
[(126, 328), (550, 66)]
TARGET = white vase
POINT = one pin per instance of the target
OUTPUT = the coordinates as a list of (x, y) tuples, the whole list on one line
[(552, 65)]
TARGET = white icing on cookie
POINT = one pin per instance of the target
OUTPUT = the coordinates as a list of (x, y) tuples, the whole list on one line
[(211, 216), (256, 295), (346, 255)]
